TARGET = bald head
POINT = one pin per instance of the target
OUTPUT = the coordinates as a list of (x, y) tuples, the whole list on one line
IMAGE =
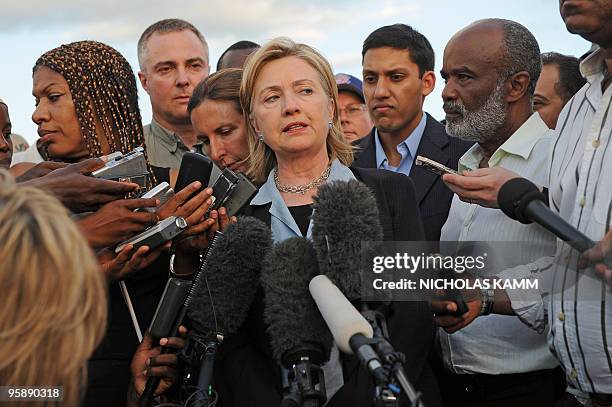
[(490, 68), (506, 45)]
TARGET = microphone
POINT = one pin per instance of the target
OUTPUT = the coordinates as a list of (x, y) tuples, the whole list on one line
[(345, 214), (223, 292), (354, 335), (521, 200), (298, 335)]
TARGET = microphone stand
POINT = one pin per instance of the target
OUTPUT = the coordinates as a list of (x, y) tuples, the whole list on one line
[(392, 361), (304, 382)]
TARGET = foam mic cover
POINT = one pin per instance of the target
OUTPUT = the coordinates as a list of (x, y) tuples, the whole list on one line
[(521, 200), (294, 321), (225, 288), (514, 196), (345, 214), (342, 319)]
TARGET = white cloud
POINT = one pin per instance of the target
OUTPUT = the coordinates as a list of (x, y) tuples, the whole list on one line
[(399, 10), (121, 20)]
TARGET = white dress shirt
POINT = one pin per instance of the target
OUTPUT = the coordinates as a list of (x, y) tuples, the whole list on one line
[(497, 344)]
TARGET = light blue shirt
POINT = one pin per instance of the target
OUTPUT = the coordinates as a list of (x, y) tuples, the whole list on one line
[(282, 223), (284, 227), (407, 148)]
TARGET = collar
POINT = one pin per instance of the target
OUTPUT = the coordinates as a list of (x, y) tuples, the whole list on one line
[(521, 143), (165, 137), (411, 142), (592, 65), (269, 193), (592, 69), (282, 223)]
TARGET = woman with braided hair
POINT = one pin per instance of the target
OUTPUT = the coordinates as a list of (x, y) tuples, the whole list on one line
[(87, 106), (95, 84)]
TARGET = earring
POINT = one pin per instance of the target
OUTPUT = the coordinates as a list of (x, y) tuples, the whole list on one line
[(260, 137), (330, 124)]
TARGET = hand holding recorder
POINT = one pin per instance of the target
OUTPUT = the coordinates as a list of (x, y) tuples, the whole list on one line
[(80, 192)]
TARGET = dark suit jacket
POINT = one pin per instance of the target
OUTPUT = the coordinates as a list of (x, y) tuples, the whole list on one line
[(245, 371), (432, 194)]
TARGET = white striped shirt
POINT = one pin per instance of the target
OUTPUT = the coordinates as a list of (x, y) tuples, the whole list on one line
[(578, 309), (498, 344)]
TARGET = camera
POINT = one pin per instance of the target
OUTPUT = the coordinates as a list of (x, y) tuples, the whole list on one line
[(131, 167), (163, 192), (232, 191), (156, 235)]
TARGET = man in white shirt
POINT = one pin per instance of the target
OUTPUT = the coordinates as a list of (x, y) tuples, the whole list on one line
[(490, 69), (575, 306)]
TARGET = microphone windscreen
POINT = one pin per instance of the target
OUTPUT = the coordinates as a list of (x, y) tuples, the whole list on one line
[(225, 289), (292, 317), (345, 215), (341, 317), (514, 196)]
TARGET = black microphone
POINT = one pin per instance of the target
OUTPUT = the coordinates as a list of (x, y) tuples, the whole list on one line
[(299, 337), (521, 200), (224, 291), (345, 214), (169, 315)]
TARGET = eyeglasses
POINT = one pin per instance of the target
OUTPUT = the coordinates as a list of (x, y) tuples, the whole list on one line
[(353, 110)]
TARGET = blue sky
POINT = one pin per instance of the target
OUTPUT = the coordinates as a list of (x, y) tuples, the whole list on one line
[(31, 27)]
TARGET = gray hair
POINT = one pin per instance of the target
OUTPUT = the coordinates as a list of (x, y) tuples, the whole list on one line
[(521, 52), (167, 26)]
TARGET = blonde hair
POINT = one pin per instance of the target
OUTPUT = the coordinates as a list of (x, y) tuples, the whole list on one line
[(53, 308), (262, 158)]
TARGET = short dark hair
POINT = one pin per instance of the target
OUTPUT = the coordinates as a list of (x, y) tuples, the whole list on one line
[(402, 36), (244, 44), (167, 25), (222, 85), (570, 79)]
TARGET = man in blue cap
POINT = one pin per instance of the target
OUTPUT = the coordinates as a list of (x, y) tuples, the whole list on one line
[(354, 116)]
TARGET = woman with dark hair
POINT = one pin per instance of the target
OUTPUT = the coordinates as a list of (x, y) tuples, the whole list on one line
[(87, 106), (6, 145), (216, 116), (92, 88)]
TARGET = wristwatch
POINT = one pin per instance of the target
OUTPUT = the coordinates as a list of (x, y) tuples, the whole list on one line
[(487, 297)]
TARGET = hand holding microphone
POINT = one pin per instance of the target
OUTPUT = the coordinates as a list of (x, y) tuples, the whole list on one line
[(216, 302), (223, 292), (521, 200)]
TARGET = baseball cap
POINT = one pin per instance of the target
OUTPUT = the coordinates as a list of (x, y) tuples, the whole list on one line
[(350, 83)]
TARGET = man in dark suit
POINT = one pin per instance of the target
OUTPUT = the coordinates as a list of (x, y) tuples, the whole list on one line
[(398, 64)]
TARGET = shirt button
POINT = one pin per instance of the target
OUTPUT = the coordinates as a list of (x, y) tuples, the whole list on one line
[(582, 202), (561, 316), (595, 143), (567, 259), (573, 374)]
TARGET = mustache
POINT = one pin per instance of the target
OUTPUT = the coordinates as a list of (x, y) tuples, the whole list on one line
[(454, 106)]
